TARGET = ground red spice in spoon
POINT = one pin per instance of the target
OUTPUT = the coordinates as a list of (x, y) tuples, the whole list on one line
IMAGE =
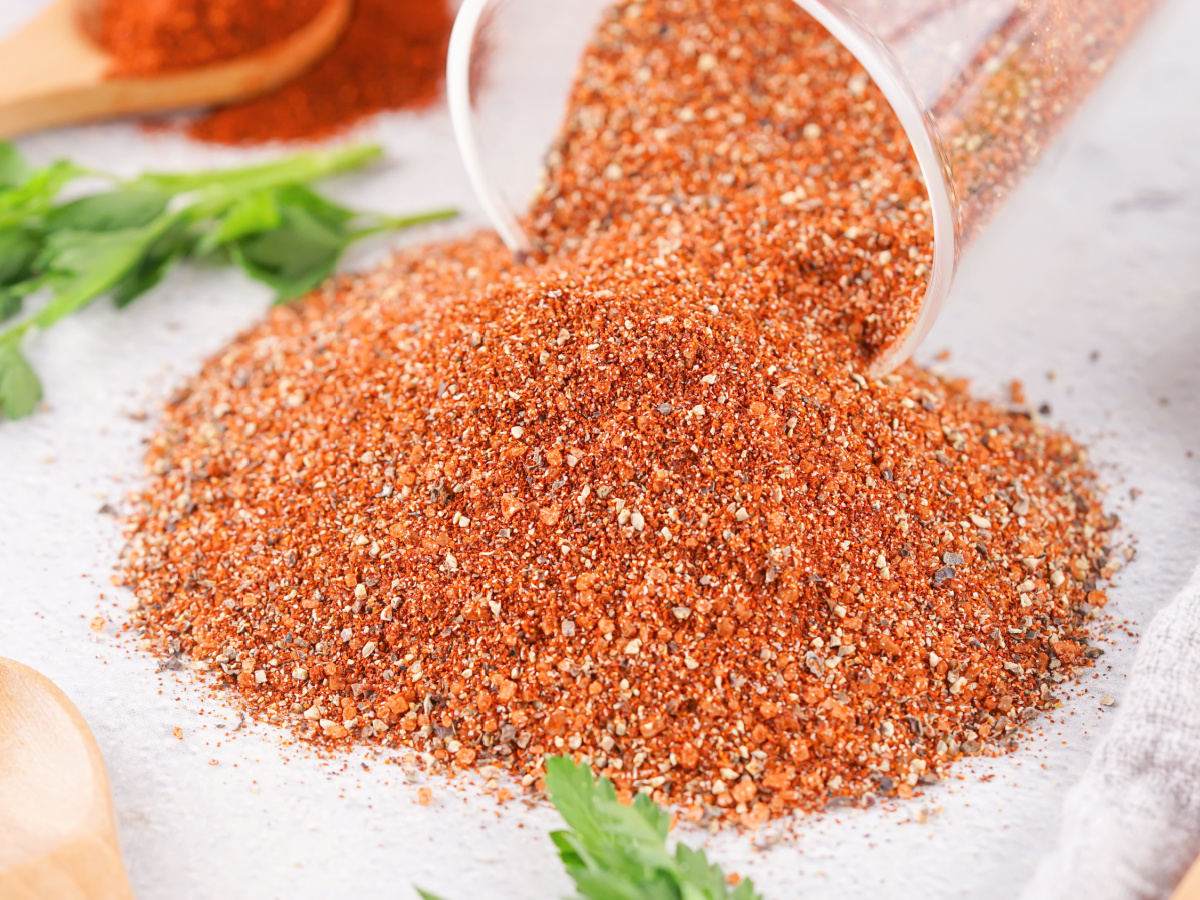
[(636, 500), (147, 37), (392, 56)]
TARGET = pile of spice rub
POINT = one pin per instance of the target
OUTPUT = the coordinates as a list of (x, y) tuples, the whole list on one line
[(637, 499)]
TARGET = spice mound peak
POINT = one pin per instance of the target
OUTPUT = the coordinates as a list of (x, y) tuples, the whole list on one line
[(491, 512)]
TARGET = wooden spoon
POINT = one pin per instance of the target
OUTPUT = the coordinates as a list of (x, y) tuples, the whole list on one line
[(52, 74), (58, 838), (1189, 888)]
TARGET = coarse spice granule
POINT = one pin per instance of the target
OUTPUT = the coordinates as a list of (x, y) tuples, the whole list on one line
[(635, 499), (148, 37), (392, 56)]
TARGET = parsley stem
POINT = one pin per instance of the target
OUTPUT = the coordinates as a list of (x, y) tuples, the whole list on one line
[(300, 169), (392, 223)]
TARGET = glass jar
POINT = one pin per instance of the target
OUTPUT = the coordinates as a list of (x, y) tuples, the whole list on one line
[(982, 88)]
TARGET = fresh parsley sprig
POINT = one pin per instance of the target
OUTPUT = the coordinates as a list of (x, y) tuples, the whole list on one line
[(122, 241), (615, 851)]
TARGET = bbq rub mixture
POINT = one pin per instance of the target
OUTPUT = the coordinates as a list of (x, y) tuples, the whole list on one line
[(636, 500)]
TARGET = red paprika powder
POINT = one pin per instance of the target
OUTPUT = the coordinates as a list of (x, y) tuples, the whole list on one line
[(391, 56), (146, 37)]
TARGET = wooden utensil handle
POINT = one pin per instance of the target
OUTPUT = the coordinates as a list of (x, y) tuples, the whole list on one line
[(85, 869), (1189, 888)]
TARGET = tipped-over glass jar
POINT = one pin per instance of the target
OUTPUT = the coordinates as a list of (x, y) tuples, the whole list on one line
[(981, 88)]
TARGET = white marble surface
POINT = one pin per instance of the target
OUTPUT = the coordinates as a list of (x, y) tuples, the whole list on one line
[(1093, 276)]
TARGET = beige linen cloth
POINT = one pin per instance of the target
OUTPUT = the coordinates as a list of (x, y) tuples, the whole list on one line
[(1131, 827)]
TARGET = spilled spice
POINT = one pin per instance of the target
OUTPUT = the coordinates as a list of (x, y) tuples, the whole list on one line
[(637, 500), (392, 56), (148, 37)]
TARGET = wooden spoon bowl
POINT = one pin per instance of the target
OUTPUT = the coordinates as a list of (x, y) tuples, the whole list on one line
[(58, 837), (52, 74)]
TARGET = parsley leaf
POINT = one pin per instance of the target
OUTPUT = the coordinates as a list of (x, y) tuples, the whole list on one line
[(618, 851), (20, 389), (18, 249), (84, 265), (168, 248), (130, 208), (252, 214), (36, 193), (296, 255), (13, 167)]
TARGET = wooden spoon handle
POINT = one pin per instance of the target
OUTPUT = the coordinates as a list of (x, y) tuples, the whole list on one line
[(58, 835), (89, 868), (48, 59), (1189, 888)]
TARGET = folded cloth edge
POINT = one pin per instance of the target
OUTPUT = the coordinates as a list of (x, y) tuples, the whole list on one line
[(1131, 826)]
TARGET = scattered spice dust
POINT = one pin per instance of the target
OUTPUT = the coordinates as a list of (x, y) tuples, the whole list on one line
[(636, 499)]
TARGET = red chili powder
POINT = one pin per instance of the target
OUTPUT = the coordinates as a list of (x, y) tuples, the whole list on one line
[(637, 501), (392, 56), (146, 37)]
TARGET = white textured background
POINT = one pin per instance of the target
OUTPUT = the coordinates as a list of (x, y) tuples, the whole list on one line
[(1088, 289)]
